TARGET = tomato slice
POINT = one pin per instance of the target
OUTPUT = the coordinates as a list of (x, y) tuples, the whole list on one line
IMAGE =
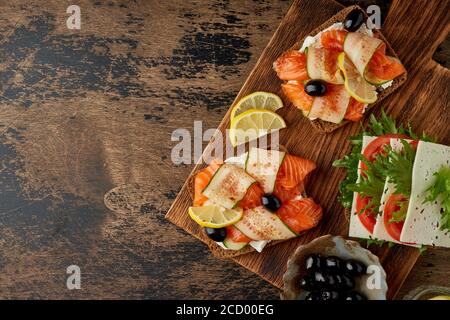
[(368, 217), (376, 147), (394, 229), (235, 235)]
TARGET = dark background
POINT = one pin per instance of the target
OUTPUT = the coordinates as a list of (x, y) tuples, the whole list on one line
[(83, 112)]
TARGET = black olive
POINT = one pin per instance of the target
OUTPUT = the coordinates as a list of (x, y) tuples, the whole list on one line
[(316, 88), (354, 20), (353, 295), (330, 295), (343, 282), (313, 262), (331, 281), (347, 282), (333, 264), (319, 279), (314, 296), (271, 202), (306, 283), (355, 268), (216, 234)]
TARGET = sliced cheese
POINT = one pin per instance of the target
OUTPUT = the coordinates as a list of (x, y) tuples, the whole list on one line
[(423, 218)]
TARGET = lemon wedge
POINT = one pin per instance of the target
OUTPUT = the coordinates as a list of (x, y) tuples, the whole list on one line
[(257, 100), (355, 83), (213, 216), (253, 124)]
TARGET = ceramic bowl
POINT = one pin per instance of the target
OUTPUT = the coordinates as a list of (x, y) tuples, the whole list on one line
[(328, 245)]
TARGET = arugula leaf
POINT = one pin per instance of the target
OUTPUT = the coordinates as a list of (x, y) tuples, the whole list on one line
[(440, 189)]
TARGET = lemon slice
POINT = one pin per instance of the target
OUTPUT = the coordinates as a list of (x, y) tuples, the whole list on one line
[(355, 83), (212, 216), (257, 100), (253, 124), (440, 298)]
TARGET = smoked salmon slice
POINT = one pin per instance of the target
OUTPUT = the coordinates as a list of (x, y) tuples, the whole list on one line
[(355, 110), (235, 235), (286, 194), (385, 67), (333, 39), (201, 181), (293, 171), (291, 66), (295, 92), (252, 198), (300, 215)]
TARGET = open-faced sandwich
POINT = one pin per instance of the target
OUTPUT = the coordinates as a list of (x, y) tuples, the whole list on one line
[(254, 198), (398, 186), (338, 73)]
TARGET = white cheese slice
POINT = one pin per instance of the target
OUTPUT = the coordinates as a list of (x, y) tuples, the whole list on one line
[(357, 229), (423, 218)]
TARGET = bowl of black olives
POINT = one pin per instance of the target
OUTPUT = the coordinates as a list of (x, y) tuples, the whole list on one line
[(333, 268)]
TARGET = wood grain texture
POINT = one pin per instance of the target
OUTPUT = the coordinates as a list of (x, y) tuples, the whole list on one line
[(408, 104), (86, 118)]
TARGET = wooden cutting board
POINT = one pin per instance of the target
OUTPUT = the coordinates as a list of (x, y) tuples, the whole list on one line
[(414, 29)]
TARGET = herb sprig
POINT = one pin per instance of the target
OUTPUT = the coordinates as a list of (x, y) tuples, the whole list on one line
[(399, 167), (440, 190)]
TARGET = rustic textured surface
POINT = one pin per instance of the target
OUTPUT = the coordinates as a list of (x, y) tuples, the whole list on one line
[(86, 111)]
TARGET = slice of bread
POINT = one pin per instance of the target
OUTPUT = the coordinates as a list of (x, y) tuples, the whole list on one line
[(324, 126)]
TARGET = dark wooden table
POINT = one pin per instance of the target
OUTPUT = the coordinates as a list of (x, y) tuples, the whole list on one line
[(86, 118)]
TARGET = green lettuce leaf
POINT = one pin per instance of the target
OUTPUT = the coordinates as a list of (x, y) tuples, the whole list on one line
[(399, 167), (440, 190)]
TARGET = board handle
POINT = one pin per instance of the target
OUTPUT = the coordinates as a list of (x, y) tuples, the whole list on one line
[(416, 28)]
